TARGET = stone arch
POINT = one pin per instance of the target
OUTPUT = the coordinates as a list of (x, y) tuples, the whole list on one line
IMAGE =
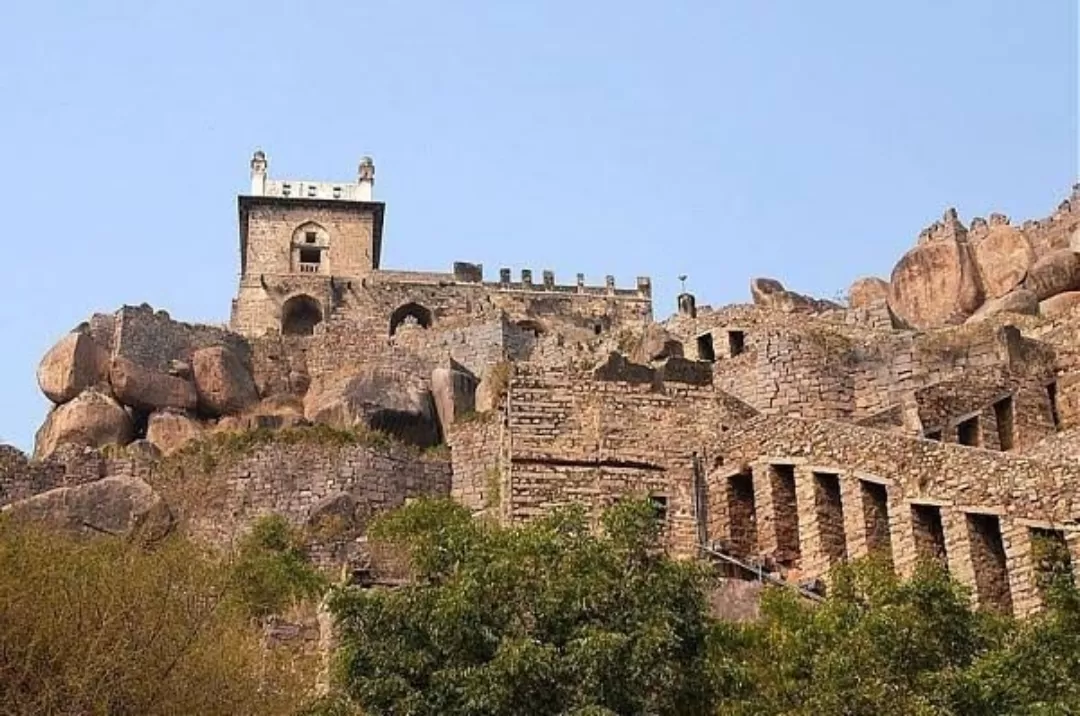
[(310, 252), (410, 310), (299, 315)]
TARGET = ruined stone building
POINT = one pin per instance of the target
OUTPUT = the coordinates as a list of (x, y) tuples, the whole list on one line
[(934, 415)]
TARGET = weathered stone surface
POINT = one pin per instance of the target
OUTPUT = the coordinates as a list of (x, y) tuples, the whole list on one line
[(224, 386), (92, 418), (1019, 301), (492, 387), (1004, 256), (656, 344), (770, 293), (147, 389), (935, 284), (454, 393), (1059, 305), (169, 430), (381, 399), (1054, 273), (72, 365), (866, 291), (334, 510), (117, 506)]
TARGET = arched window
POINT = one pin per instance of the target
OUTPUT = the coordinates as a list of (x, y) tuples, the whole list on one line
[(310, 249), (300, 315), (410, 312)]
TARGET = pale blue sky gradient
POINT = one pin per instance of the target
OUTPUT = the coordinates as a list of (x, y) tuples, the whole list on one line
[(808, 141)]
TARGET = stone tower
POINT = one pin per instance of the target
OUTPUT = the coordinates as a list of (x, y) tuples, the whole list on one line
[(299, 241)]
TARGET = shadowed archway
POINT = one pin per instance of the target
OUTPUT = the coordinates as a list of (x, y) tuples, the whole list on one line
[(413, 311), (300, 315)]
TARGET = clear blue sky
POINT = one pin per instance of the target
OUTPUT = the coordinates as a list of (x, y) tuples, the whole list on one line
[(808, 141)]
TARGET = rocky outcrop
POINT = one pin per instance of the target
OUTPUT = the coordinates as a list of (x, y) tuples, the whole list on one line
[(656, 344), (170, 430), (1059, 305), (147, 389), (394, 402), (1004, 256), (1055, 273), (867, 291), (770, 293), (71, 366), (454, 393), (223, 384), (120, 506), (92, 418), (1020, 301), (936, 283), (492, 387)]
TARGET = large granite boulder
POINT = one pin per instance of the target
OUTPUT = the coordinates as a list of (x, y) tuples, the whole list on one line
[(92, 418), (770, 293), (493, 386), (1004, 256), (454, 393), (223, 384), (71, 366), (656, 344), (1019, 301), (120, 506), (1059, 305), (936, 284), (1057, 272), (147, 389), (170, 430), (867, 291), (395, 402)]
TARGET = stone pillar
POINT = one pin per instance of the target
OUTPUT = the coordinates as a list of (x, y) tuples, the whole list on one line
[(814, 561), (609, 284), (764, 507), (900, 535), (504, 276), (687, 305), (366, 179), (854, 516), (958, 548), (549, 279), (259, 167), (526, 278), (644, 286), (1023, 589)]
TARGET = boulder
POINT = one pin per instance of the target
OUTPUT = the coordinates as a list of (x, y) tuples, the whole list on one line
[(92, 419), (1004, 256), (454, 393), (71, 366), (656, 344), (1057, 272), (935, 284), (1019, 301), (1059, 305), (223, 384), (770, 293), (492, 387), (169, 430), (147, 389), (391, 401), (335, 512), (273, 413), (867, 291), (120, 506)]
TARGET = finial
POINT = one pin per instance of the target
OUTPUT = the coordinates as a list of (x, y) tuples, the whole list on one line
[(366, 170), (682, 282)]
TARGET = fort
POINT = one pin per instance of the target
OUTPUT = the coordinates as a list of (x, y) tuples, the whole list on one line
[(934, 414)]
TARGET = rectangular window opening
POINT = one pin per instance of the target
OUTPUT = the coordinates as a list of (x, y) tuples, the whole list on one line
[(967, 432), (988, 559), (705, 347), (1003, 414), (742, 519), (875, 504), (1050, 558), (310, 256), (929, 533), (736, 343), (1055, 416), (786, 514), (310, 237), (830, 516), (660, 507)]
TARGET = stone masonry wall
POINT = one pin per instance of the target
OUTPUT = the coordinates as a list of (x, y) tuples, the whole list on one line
[(1014, 494)]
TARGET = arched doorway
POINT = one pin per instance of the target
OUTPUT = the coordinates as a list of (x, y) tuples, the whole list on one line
[(300, 315), (412, 312)]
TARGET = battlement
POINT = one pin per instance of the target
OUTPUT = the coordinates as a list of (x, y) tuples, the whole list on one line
[(263, 185), (468, 273)]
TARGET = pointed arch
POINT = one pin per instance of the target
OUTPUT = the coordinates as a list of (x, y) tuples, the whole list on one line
[(299, 315), (410, 310)]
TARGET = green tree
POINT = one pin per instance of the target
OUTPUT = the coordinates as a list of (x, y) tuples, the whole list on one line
[(271, 570), (553, 617)]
